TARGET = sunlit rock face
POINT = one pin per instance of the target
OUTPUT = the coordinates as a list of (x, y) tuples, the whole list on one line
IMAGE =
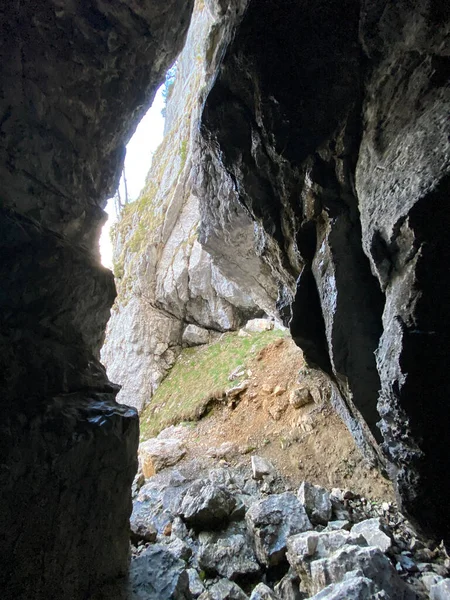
[(75, 78), (325, 139), (165, 279)]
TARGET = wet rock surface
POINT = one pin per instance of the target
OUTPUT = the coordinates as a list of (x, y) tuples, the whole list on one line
[(334, 159)]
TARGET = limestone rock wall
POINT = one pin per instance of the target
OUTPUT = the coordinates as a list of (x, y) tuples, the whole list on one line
[(166, 280), (326, 136), (75, 78)]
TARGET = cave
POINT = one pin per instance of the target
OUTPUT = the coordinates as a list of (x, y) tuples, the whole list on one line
[(326, 129)]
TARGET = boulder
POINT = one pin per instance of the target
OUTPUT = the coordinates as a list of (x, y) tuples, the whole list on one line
[(353, 588), (230, 556), (372, 532), (195, 336), (261, 467), (258, 325), (179, 549), (224, 590), (316, 501), (206, 505), (157, 575), (441, 590), (157, 454), (288, 588), (271, 521), (369, 561), (263, 592), (142, 528), (196, 586)]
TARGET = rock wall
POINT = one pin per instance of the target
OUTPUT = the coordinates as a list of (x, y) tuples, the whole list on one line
[(326, 135), (75, 79), (166, 281)]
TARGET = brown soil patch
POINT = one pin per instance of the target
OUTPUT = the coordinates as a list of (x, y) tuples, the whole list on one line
[(308, 443)]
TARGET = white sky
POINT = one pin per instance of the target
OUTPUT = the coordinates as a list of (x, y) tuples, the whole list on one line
[(140, 149)]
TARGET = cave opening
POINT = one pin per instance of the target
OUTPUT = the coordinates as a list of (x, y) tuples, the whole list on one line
[(310, 170)]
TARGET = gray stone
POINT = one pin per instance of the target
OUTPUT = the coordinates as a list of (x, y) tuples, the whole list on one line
[(157, 575), (258, 325), (263, 592), (157, 454), (338, 524), (196, 586), (288, 588), (225, 590), (441, 590), (228, 555), (371, 563), (430, 579), (316, 501), (300, 397), (206, 505), (142, 528), (179, 549), (261, 467), (355, 588), (373, 532), (271, 521), (195, 336)]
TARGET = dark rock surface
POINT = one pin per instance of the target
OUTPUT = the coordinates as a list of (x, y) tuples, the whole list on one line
[(325, 138), (75, 79)]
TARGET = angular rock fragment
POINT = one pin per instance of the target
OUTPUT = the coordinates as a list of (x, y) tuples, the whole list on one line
[(441, 590), (196, 586), (316, 501), (370, 561), (271, 521), (195, 336), (288, 588), (157, 454), (157, 575), (354, 588), (372, 532), (263, 592), (300, 397), (224, 590), (261, 467), (206, 505), (258, 325), (228, 555)]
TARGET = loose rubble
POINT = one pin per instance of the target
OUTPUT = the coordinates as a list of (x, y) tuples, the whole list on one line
[(243, 533)]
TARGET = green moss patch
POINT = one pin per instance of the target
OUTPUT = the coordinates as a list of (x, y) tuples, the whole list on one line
[(199, 376)]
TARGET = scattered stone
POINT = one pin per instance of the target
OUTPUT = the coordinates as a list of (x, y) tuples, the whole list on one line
[(300, 397), (288, 588), (338, 524), (279, 390), (195, 336), (142, 528), (430, 579), (371, 563), (224, 590), (316, 501), (261, 467), (406, 563), (196, 586), (271, 521), (373, 533), (157, 454), (227, 555), (226, 449), (266, 388), (263, 592), (157, 575), (237, 390), (238, 372), (258, 325), (206, 505), (355, 588), (179, 549), (441, 590)]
